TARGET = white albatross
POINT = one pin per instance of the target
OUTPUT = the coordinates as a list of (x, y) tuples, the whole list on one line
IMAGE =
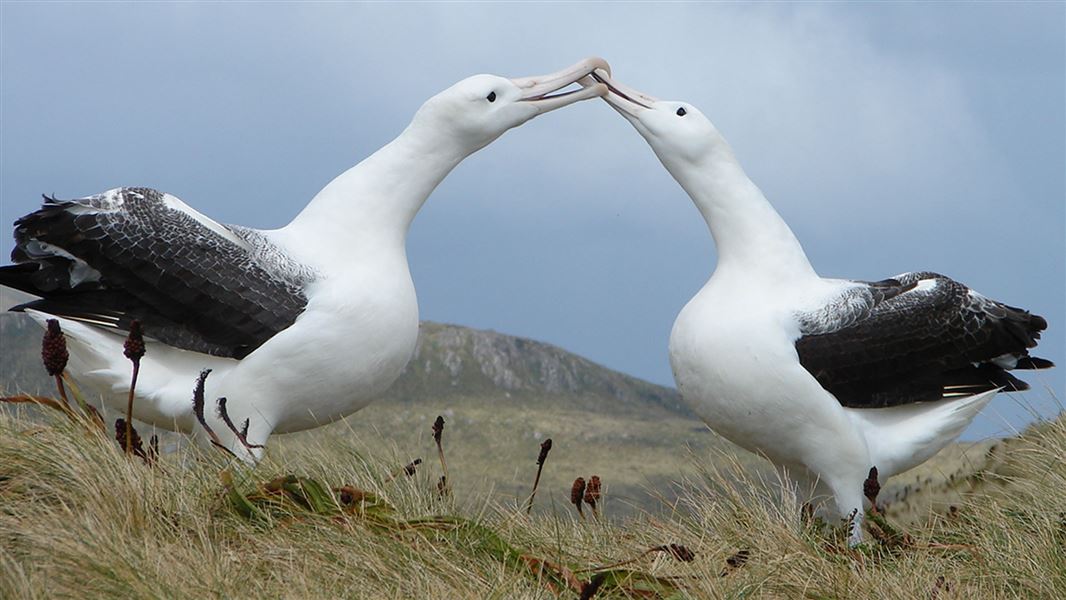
[(825, 377), (301, 325)]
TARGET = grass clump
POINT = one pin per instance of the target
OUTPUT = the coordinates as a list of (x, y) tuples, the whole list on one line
[(77, 517), (333, 517)]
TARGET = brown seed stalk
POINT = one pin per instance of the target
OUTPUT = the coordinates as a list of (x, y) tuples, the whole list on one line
[(438, 432), (198, 410), (54, 355), (577, 492), (871, 488), (242, 434), (133, 349), (122, 432), (545, 448)]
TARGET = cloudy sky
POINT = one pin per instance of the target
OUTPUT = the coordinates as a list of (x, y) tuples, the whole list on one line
[(892, 137)]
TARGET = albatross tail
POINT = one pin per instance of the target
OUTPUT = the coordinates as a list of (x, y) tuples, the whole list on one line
[(903, 437), (166, 378)]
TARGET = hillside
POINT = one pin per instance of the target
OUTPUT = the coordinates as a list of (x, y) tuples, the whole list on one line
[(503, 395), (450, 362)]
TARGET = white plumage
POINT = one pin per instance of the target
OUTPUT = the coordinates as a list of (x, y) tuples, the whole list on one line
[(826, 378), (300, 325)]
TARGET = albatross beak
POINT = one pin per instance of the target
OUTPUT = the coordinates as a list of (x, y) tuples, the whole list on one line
[(536, 89), (624, 99)]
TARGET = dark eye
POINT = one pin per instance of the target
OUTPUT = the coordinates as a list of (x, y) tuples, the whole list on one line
[(681, 112), (491, 97)]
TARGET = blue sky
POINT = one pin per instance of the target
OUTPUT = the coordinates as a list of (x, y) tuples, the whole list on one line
[(892, 137)]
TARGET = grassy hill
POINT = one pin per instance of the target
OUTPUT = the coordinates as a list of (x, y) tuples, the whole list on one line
[(502, 396), (77, 518)]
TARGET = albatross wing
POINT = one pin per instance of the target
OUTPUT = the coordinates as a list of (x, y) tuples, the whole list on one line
[(136, 253), (918, 337)]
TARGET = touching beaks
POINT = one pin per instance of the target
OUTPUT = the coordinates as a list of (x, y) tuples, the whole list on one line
[(623, 98), (537, 90)]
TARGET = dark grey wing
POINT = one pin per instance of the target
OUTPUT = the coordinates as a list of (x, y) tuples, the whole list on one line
[(136, 253), (915, 338)]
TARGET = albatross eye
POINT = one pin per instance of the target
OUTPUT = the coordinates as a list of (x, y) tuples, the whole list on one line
[(491, 97), (681, 112)]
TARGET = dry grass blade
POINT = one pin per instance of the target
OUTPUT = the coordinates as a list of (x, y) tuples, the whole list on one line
[(40, 400), (88, 409)]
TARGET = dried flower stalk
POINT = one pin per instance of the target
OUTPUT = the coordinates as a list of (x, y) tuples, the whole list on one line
[(54, 355), (123, 431), (133, 349), (242, 434), (577, 492), (438, 432), (198, 410), (545, 448), (592, 494)]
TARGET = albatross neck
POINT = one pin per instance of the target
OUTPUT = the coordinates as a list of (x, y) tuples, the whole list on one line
[(376, 200), (749, 234)]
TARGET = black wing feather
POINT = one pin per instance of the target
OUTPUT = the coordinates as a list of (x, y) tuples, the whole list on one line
[(128, 255), (895, 342)]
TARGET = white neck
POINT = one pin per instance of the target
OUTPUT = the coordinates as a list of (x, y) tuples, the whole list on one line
[(748, 232), (372, 204)]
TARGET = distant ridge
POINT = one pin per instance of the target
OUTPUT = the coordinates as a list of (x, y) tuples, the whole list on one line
[(450, 362)]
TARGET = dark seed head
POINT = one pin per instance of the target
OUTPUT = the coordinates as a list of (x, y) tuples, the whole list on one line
[(409, 470), (198, 395), (592, 491), (54, 349), (438, 428), (135, 439), (871, 488), (545, 447), (134, 346), (577, 491)]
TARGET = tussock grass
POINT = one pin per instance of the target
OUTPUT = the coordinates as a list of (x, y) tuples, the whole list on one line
[(80, 518)]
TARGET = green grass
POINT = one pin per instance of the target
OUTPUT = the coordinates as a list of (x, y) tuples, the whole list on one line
[(77, 518)]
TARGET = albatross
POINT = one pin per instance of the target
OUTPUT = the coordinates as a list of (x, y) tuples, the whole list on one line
[(298, 326), (827, 378)]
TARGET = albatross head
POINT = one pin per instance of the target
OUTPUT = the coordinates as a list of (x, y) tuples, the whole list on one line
[(677, 131), (479, 109)]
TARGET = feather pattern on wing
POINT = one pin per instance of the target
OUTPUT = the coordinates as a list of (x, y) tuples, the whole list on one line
[(913, 338), (136, 253)]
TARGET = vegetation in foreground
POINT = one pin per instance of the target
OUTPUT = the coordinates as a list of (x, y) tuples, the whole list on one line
[(78, 516)]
